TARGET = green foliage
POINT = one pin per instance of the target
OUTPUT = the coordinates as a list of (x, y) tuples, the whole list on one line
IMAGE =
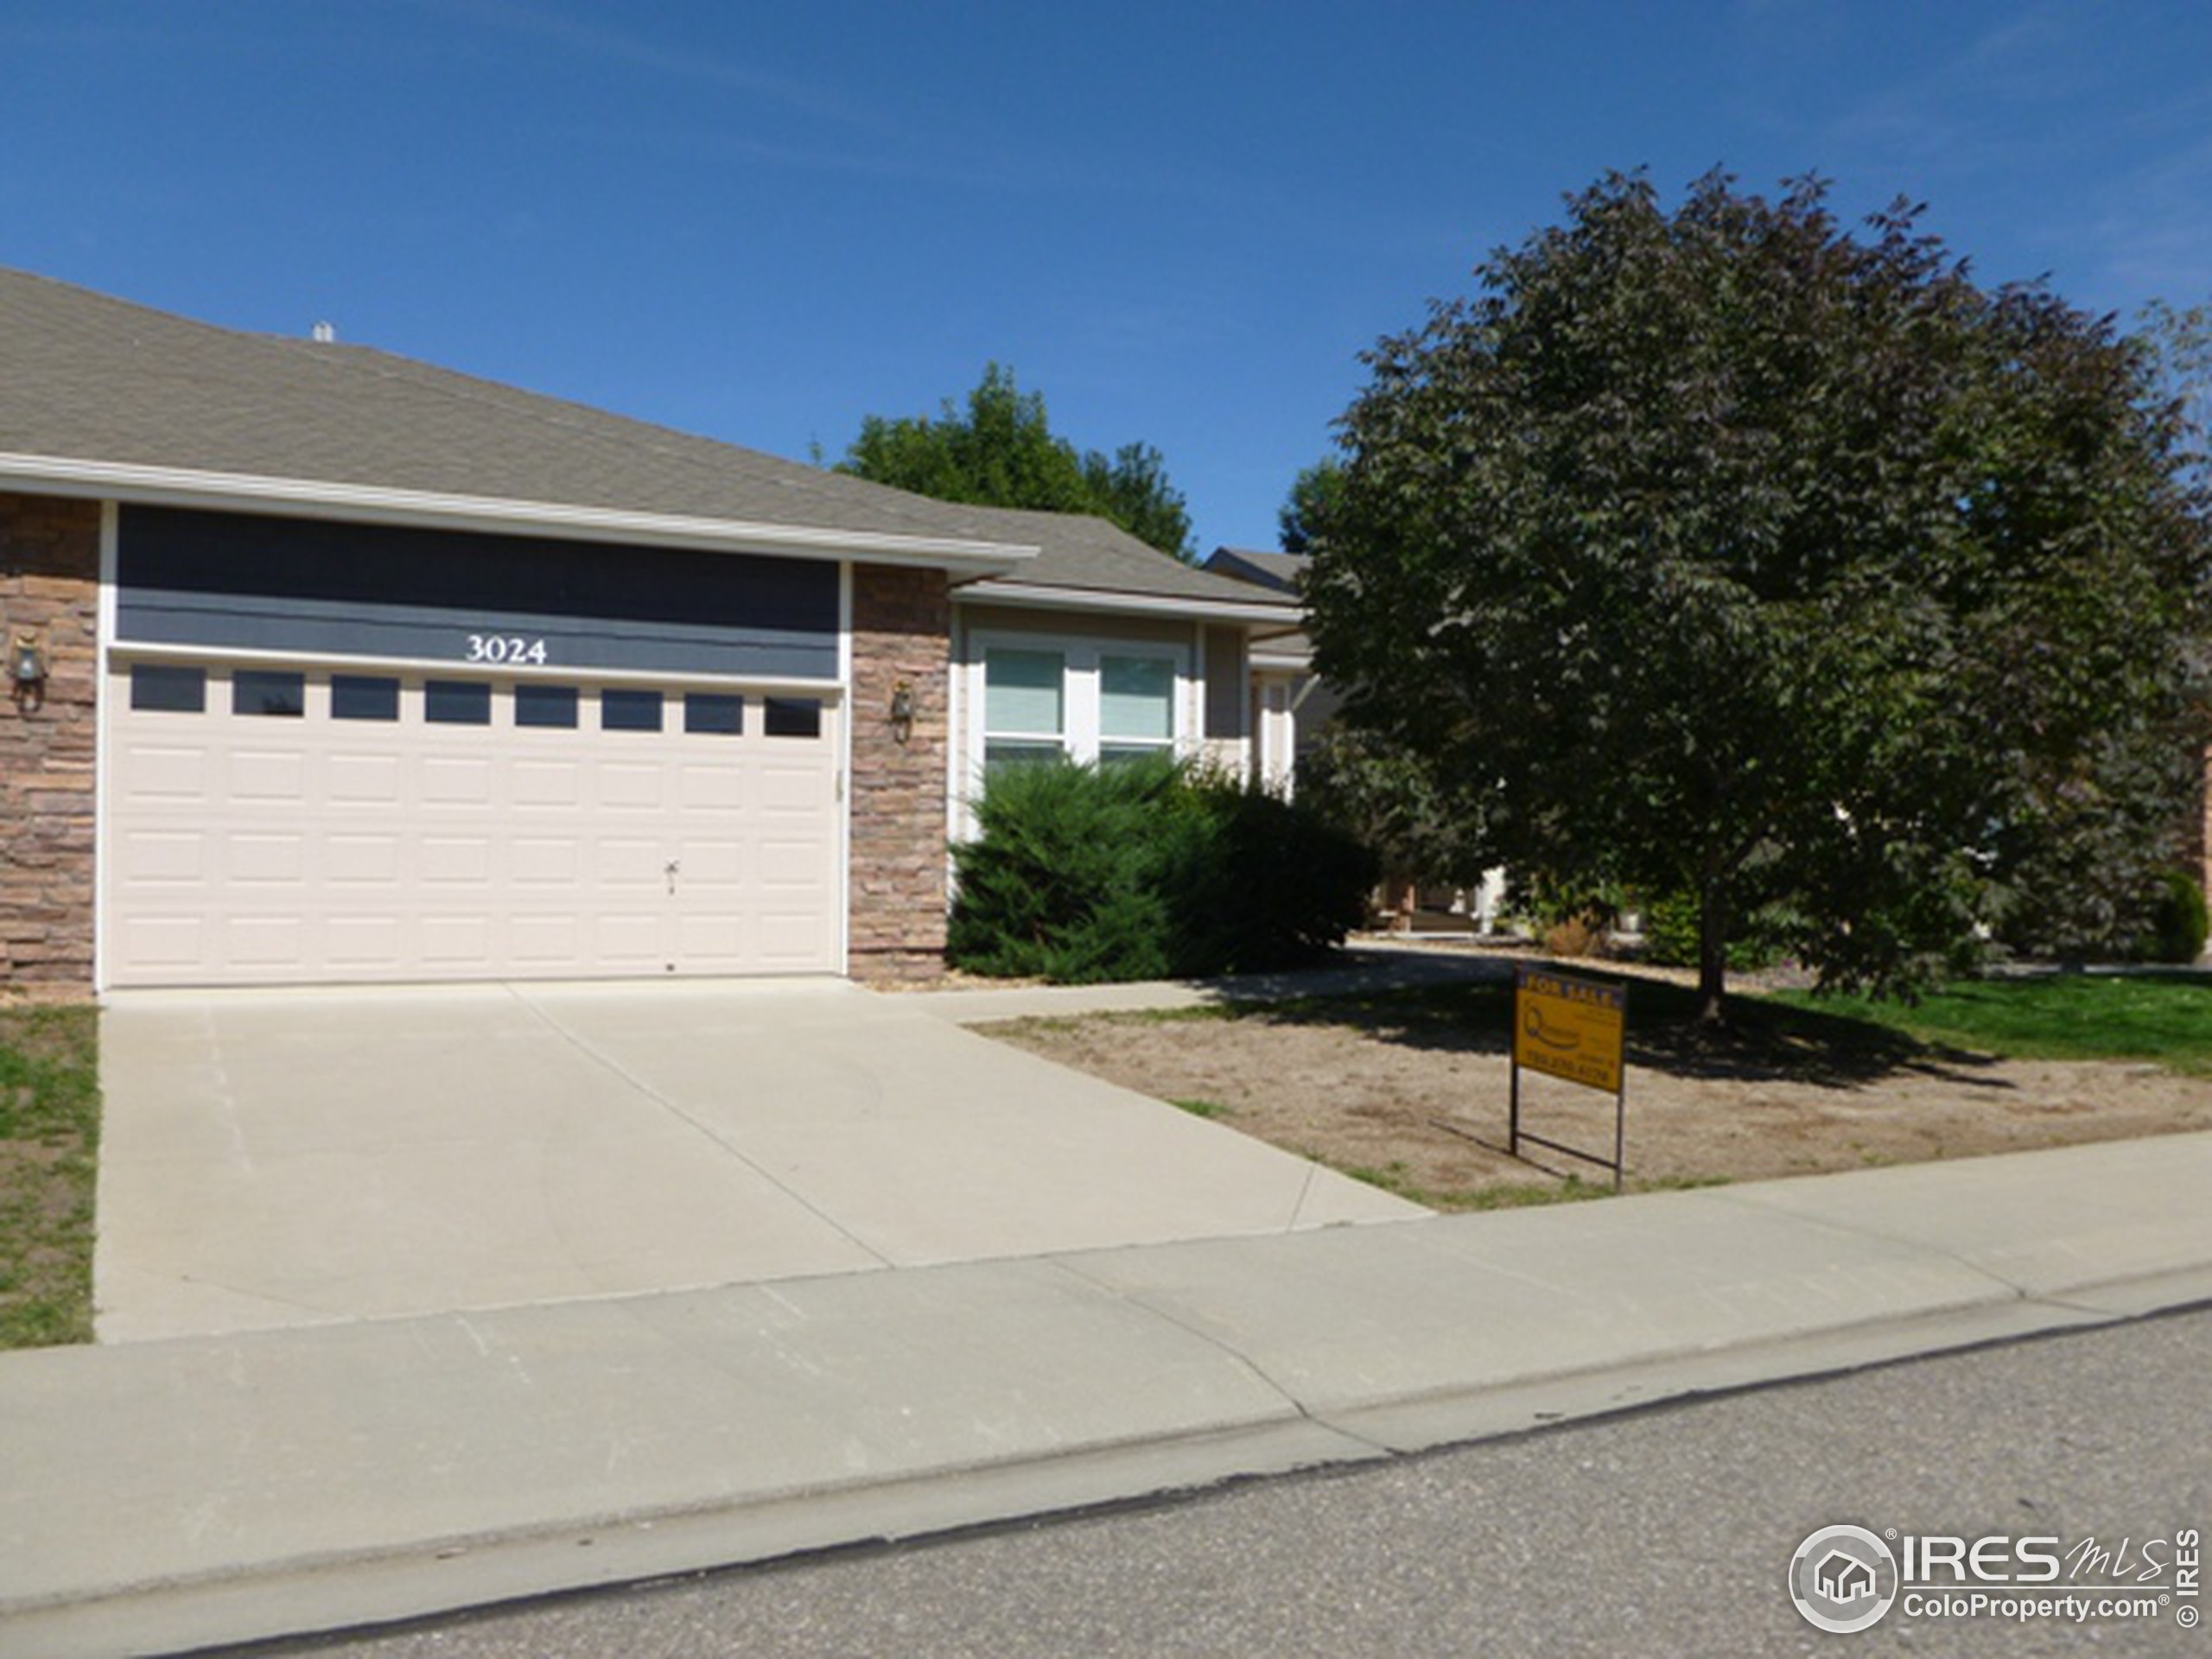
[(1545, 899), (1670, 930), (1311, 493), (1671, 936), (2178, 345), (1721, 551), (1387, 800), (1132, 491), (2179, 925), (1068, 878), (1147, 870), (1000, 452), (1203, 1107)]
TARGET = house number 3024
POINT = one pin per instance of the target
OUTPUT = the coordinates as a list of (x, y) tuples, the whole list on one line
[(505, 648)]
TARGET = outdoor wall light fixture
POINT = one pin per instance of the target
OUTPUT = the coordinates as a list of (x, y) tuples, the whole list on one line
[(27, 672), (902, 712)]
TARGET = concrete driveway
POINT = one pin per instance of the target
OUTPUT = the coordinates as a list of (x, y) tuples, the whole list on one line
[(299, 1157)]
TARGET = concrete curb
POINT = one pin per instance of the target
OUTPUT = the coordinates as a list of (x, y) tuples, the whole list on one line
[(173, 1495)]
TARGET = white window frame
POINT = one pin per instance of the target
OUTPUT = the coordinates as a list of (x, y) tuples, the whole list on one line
[(1080, 694), (984, 736)]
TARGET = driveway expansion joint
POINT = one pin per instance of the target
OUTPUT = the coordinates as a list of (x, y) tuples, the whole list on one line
[(631, 1080)]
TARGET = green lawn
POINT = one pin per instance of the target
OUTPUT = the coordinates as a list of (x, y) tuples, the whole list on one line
[(2165, 1019), (49, 1145)]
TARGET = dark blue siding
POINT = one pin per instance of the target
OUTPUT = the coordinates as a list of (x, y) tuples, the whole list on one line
[(237, 579)]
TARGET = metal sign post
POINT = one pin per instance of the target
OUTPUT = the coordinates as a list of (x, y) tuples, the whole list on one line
[(1573, 1029)]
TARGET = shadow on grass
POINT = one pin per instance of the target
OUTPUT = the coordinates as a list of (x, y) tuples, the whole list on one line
[(1761, 1040)]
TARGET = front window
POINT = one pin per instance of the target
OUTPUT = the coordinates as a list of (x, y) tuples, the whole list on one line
[(1095, 702), (1136, 708), (1025, 705)]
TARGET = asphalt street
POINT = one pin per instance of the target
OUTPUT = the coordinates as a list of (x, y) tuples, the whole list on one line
[(1668, 1530)]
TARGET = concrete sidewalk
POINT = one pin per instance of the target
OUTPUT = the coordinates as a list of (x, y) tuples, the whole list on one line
[(163, 1496), (1363, 967)]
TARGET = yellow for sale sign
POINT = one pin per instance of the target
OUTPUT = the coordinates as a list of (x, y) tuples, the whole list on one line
[(1569, 1027)]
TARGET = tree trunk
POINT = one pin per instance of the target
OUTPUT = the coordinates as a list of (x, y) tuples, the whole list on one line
[(1713, 956)]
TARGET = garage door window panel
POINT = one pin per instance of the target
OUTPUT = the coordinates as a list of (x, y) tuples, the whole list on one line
[(457, 703), (791, 717), (552, 706), (364, 697), (714, 714), (259, 691), (165, 688), (629, 711)]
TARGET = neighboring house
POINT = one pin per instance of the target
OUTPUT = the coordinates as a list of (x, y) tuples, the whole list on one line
[(342, 667), (1292, 706), (1294, 709)]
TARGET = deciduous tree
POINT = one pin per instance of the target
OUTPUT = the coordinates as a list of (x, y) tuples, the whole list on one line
[(1311, 492), (1000, 452), (1724, 551)]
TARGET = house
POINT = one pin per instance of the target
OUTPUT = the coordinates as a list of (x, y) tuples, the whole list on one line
[(1292, 706), (331, 666)]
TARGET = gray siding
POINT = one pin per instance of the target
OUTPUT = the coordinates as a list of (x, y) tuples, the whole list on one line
[(248, 582), (1225, 683)]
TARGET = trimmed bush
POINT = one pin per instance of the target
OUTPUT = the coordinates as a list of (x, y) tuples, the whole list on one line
[(1277, 885), (2178, 922), (1147, 870)]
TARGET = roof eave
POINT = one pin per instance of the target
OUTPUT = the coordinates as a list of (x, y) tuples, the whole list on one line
[(1040, 596), (247, 492)]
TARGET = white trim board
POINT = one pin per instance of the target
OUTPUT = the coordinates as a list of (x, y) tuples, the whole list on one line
[(1032, 596)]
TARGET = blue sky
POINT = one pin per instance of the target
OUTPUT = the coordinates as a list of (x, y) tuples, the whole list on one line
[(1181, 222)]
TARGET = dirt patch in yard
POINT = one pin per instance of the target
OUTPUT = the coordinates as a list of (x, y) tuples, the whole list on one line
[(1417, 1099)]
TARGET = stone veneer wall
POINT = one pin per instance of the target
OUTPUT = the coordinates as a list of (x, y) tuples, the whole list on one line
[(902, 629), (49, 587)]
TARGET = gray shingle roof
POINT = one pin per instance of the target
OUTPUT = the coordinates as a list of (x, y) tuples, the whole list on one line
[(1280, 572), (86, 378), (1092, 554)]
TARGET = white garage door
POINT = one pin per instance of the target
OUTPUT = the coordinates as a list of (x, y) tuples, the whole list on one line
[(273, 825)]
